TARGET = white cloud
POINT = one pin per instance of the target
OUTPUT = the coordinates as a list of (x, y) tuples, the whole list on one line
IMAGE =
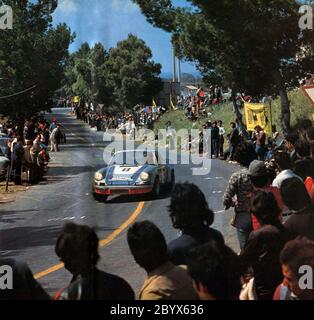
[(68, 6), (124, 6)]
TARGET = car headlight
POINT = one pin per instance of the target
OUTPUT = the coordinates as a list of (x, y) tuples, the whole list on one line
[(98, 176), (144, 176)]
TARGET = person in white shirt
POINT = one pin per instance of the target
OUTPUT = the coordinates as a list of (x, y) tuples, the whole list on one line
[(284, 165), (222, 132)]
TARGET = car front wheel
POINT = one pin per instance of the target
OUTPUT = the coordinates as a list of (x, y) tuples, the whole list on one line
[(156, 188)]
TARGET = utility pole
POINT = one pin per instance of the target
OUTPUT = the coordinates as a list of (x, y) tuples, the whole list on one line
[(174, 79)]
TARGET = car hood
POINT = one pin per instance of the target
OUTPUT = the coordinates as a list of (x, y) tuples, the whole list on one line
[(125, 173)]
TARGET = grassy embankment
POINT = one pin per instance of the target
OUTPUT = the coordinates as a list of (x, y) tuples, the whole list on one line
[(301, 108)]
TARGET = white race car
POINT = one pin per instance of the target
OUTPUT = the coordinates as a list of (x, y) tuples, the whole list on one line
[(133, 172)]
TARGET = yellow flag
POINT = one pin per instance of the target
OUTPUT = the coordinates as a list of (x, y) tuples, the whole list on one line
[(154, 103), (258, 114)]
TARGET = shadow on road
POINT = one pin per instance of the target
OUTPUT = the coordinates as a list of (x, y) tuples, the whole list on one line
[(28, 237)]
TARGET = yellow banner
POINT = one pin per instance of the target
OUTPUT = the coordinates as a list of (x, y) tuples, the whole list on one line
[(258, 114), (76, 99), (154, 103)]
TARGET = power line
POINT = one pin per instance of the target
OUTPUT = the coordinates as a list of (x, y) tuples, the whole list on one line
[(18, 93)]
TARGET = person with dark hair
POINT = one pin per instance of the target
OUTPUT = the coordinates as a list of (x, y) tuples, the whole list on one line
[(215, 139), (259, 177), (222, 132), (237, 194), (296, 254), (234, 139), (260, 142), (164, 281), (264, 245), (17, 157), (290, 141), (310, 134), (192, 218), (284, 166), (297, 199), (305, 169), (302, 149), (77, 248), (304, 125), (216, 272), (24, 286)]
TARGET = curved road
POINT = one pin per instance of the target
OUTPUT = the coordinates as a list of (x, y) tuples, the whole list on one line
[(29, 226)]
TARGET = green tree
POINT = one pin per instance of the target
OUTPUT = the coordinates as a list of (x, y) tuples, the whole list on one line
[(255, 47), (32, 58), (131, 74)]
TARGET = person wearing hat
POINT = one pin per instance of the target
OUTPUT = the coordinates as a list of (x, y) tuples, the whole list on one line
[(259, 177)]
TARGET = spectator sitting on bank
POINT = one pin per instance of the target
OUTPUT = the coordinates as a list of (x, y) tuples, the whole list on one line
[(25, 287), (164, 281), (192, 218), (290, 141), (264, 245), (297, 199), (216, 272), (302, 149), (295, 254), (77, 248)]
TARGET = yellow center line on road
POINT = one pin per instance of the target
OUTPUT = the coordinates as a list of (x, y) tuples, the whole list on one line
[(102, 243)]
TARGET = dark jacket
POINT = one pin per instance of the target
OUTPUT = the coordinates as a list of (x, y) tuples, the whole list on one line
[(262, 253), (106, 287), (179, 247), (301, 223), (25, 287)]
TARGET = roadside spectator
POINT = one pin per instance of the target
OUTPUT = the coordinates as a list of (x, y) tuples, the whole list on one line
[(192, 218), (221, 143), (17, 157), (55, 139), (264, 245), (25, 287), (295, 254), (297, 199), (234, 140), (216, 272), (302, 149), (215, 139), (164, 281), (305, 169), (260, 142), (284, 165), (237, 193), (260, 181), (290, 141), (77, 248)]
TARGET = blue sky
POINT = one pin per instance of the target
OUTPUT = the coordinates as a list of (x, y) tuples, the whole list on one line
[(110, 21)]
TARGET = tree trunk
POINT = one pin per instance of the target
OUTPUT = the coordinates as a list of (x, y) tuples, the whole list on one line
[(285, 103), (239, 115)]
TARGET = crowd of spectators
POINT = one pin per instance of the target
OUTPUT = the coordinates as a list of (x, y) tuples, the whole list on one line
[(26, 147)]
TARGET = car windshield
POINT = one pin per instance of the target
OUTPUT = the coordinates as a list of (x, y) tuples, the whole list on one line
[(131, 158)]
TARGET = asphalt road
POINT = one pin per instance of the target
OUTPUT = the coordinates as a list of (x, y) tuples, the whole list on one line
[(29, 226)]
